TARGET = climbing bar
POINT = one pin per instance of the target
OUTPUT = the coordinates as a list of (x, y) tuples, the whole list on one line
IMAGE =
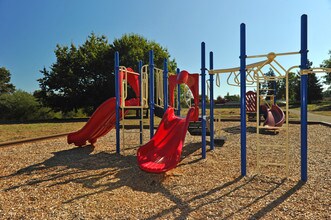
[(218, 80), (236, 69), (276, 54), (123, 68), (315, 70), (144, 86)]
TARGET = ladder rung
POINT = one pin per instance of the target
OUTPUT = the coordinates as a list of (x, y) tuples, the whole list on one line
[(133, 107), (272, 128)]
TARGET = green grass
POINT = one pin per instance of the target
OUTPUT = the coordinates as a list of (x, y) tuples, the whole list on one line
[(320, 108), (14, 132)]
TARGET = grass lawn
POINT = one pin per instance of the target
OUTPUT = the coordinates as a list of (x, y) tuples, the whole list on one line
[(13, 132), (321, 108)]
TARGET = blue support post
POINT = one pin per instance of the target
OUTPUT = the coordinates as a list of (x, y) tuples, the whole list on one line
[(151, 93), (304, 89), (203, 98), (140, 64), (243, 97), (178, 94), (211, 81), (118, 98), (165, 84)]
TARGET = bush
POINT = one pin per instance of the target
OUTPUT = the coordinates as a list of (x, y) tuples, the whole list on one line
[(22, 106)]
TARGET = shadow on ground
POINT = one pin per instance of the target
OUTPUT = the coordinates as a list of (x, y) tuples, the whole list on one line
[(111, 171)]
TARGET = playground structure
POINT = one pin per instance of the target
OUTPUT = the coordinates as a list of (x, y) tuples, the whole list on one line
[(163, 151), (252, 75)]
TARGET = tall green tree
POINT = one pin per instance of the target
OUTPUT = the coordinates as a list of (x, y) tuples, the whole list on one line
[(314, 88), (83, 76), (269, 86), (22, 106), (5, 85), (327, 64), (293, 87)]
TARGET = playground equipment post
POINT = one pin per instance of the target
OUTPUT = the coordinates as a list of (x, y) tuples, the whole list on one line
[(243, 97)]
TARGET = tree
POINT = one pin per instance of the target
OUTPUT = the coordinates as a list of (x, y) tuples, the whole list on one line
[(327, 77), (269, 86), (220, 100), (232, 98), (293, 87), (22, 106), (83, 76), (314, 87), (315, 90), (5, 85)]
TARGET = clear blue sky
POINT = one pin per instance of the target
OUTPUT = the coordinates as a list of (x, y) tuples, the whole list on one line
[(31, 29)]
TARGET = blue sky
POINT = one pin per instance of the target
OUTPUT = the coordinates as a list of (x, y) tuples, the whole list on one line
[(31, 29)]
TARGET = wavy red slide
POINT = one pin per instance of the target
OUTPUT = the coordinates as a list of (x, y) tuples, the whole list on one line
[(100, 123), (164, 150)]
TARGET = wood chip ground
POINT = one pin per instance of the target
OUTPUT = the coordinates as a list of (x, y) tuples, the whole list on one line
[(53, 180)]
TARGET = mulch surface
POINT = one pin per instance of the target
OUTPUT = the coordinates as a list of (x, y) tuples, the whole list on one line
[(53, 180)]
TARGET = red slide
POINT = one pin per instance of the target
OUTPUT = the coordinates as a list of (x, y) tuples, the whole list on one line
[(163, 151), (100, 123), (275, 117)]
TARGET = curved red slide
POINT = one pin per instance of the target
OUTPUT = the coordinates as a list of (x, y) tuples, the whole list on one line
[(100, 123), (163, 151), (275, 117)]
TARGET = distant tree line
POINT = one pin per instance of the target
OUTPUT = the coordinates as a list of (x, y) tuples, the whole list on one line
[(83, 77)]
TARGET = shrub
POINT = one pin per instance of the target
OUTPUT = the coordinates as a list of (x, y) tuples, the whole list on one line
[(22, 106)]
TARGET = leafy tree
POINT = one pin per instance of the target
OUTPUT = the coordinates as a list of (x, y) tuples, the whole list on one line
[(314, 87), (83, 76), (22, 106), (133, 48), (315, 90), (293, 87), (233, 98), (327, 77), (220, 100), (268, 87), (5, 85)]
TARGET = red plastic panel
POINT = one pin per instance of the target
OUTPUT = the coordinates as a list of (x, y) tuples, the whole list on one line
[(251, 101)]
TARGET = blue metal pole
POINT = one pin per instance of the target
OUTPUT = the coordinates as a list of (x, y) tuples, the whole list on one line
[(304, 89), (118, 98), (151, 93), (242, 97), (203, 98), (165, 84), (140, 64), (178, 94), (211, 81)]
